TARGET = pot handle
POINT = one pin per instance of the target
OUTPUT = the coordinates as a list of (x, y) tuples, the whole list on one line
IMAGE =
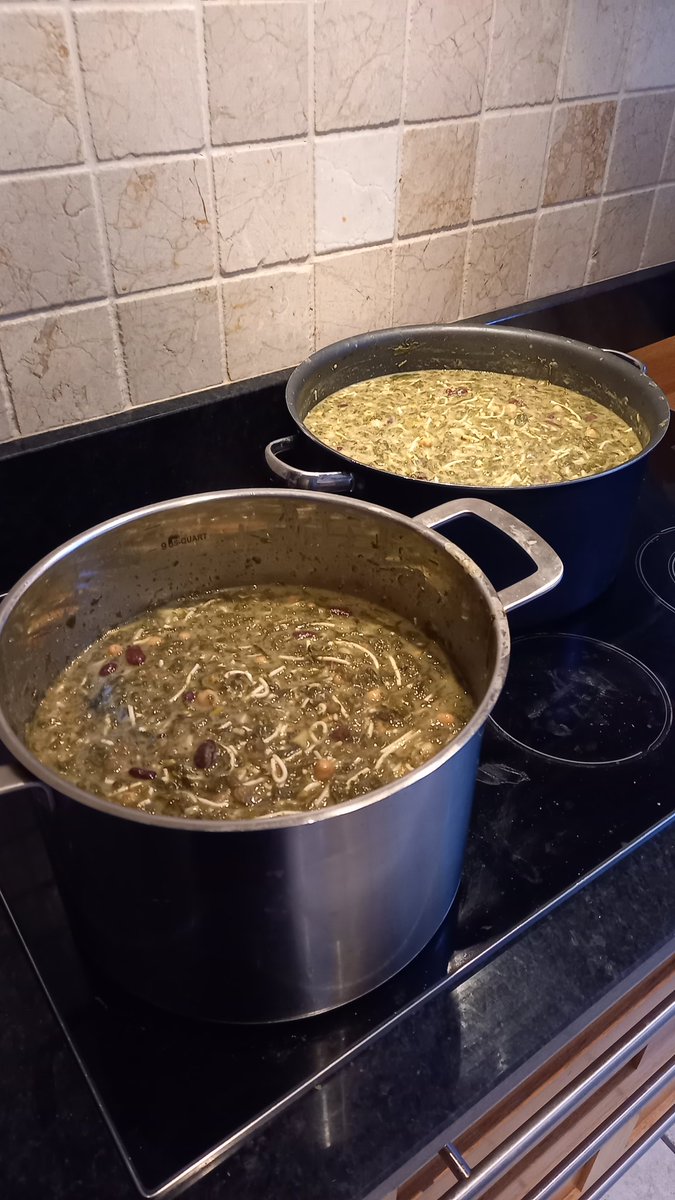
[(13, 778), (635, 362), (313, 481), (549, 568)]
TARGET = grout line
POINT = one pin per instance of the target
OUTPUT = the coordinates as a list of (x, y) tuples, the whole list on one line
[(478, 117), (84, 123), (398, 172), (311, 134)]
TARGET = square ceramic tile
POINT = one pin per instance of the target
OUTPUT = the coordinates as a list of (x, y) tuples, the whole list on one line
[(497, 263), (668, 170), (651, 58), (447, 57), (256, 56), (8, 426), (61, 368), (264, 202), (526, 46), (595, 51), (660, 244), (353, 294), (428, 275), (642, 127), (578, 151), (141, 80), (562, 243), (171, 343), (355, 184), (620, 235), (358, 53), (510, 163), (269, 321), (651, 1178), (38, 115), (437, 170), (49, 244), (158, 225)]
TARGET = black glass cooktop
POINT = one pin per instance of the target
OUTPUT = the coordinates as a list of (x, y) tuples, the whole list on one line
[(576, 771)]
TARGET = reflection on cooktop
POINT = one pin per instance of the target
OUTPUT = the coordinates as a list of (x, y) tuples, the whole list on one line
[(578, 700), (655, 564)]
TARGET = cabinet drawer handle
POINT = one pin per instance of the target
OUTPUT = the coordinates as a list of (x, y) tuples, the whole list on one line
[(503, 1158)]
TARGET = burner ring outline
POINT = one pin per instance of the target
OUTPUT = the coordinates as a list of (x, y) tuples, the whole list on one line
[(670, 567)]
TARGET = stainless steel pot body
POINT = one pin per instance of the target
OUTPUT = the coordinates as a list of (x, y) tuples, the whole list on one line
[(278, 917), (585, 520)]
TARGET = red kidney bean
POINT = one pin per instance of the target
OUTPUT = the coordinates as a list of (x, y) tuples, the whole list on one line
[(340, 612), (135, 655), (304, 634), (206, 755), (340, 733), (142, 773), (189, 697), (108, 668), (457, 391)]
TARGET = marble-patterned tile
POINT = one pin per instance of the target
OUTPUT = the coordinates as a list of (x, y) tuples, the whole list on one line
[(358, 52), (38, 115), (651, 60), (355, 188), (61, 368), (526, 46), (49, 245), (352, 294), (158, 224), (264, 203), (562, 243), (141, 80), (447, 57), (578, 152), (428, 275), (269, 321), (510, 163), (668, 169), (8, 426), (256, 56), (497, 265), (171, 342), (437, 173), (642, 127), (595, 50), (660, 244), (620, 235)]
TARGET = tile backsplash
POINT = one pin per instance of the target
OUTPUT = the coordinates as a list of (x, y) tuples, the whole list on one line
[(194, 191)]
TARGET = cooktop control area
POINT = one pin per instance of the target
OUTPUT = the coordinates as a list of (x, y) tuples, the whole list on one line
[(576, 771)]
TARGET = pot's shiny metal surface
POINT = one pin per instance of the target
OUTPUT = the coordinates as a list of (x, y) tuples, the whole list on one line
[(282, 916)]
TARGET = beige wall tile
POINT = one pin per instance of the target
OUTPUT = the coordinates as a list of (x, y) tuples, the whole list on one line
[(268, 321), (526, 46), (510, 163), (158, 225), (355, 183), (651, 59), (497, 265), (595, 51), (141, 80), (257, 65), (447, 56), (171, 343), (8, 426), (578, 152), (358, 47), (428, 275), (38, 118), (353, 294), (264, 202), (620, 235), (642, 125), (61, 368), (668, 171), (49, 245), (562, 242), (437, 174), (660, 244)]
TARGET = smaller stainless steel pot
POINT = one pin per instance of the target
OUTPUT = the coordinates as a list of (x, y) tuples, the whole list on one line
[(283, 916)]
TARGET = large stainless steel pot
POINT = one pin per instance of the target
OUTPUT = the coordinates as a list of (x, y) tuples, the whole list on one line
[(585, 520), (281, 916)]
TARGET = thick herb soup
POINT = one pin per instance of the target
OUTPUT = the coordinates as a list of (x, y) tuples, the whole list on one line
[(250, 702), (477, 428)]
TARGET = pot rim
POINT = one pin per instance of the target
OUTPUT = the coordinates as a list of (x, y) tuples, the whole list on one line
[(59, 783), (307, 368)]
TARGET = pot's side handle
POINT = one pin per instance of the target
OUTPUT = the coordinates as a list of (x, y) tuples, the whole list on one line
[(314, 481), (549, 568), (635, 362), (13, 778)]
